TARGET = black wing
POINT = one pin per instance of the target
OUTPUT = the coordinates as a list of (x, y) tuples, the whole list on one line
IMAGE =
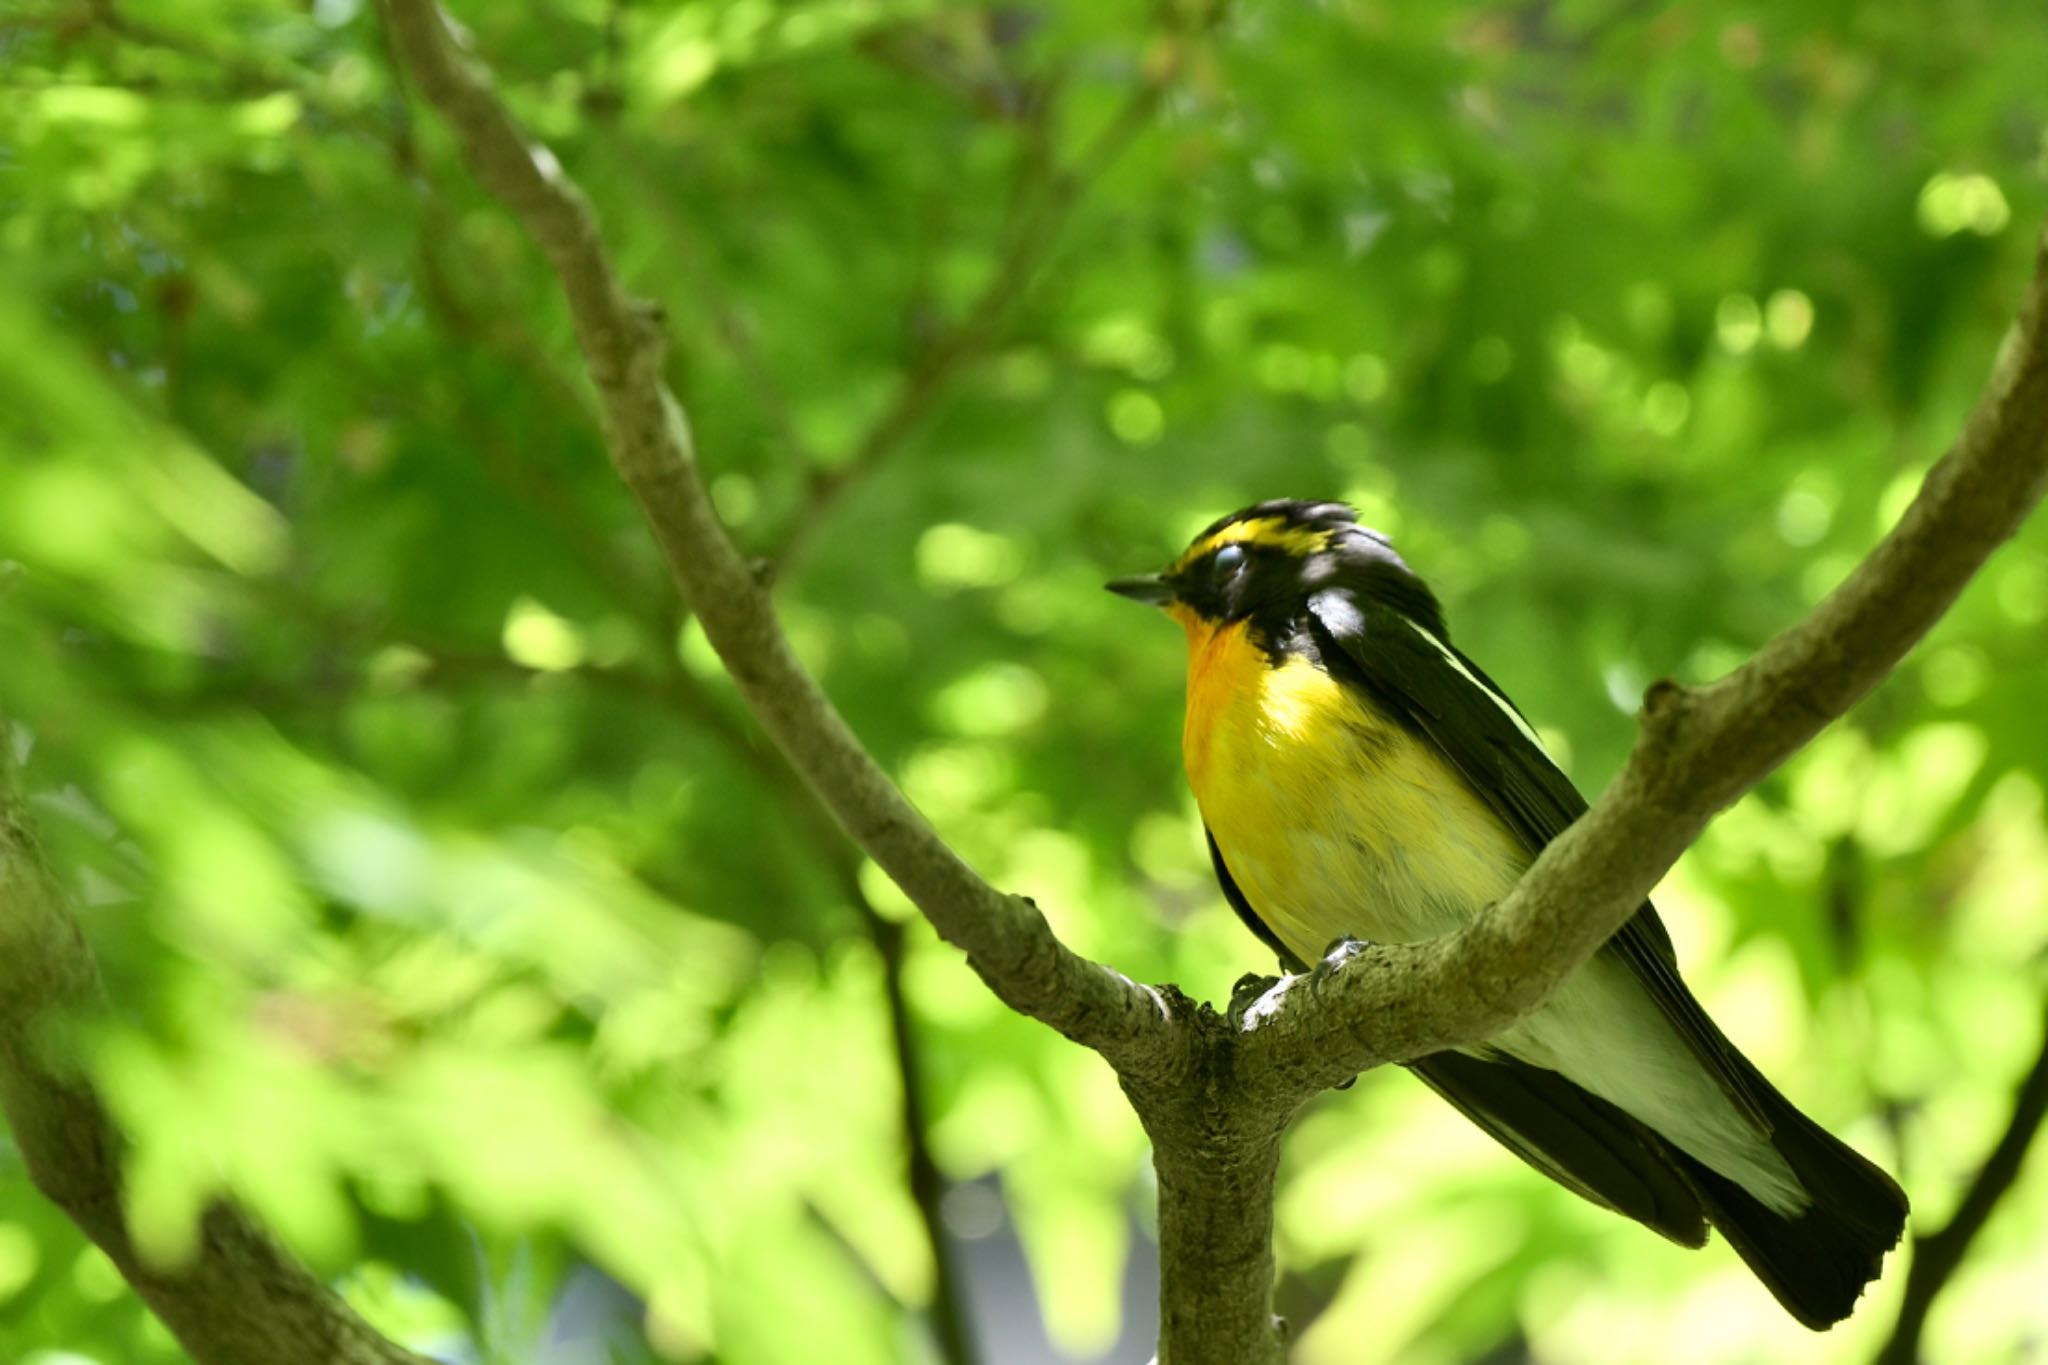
[(1576, 1138), (1471, 723), (1581, 1141)]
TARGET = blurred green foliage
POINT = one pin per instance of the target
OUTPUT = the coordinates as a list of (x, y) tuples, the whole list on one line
[(456, 920)]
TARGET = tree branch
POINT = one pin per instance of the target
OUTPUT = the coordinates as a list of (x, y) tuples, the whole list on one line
[(244, 1300), (1038, 227), (948, 1312), (1937, 1256), (1216, 1247), (1006, 939), (951, 1320), (735, 331), (1700, 750), (1215, 1095), (243, 74)]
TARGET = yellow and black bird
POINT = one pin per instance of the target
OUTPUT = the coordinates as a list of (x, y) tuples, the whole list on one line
[(1360, 777)]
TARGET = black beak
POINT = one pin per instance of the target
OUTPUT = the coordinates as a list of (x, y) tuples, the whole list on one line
[(1152, 589)]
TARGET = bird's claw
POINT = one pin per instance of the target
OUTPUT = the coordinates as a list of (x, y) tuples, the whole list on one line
[(1247, 992), (1334, 959)]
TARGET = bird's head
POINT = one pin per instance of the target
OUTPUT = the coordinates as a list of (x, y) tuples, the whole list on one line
[(1264, 562)]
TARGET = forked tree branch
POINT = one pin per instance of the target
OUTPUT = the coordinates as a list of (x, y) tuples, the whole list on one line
[(1005, 937), (243, 1299), (1700, 749), (1047, 207), (1215, 1096)]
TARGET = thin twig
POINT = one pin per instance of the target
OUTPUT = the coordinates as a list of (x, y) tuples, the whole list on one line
[(1937, 1256), (948, 1312), (681, 693), (1700, 749), (951, 1320), (1214, 1098), (1042, 216), (244, 73), (1005, 937), (909, 51), (734, 329)]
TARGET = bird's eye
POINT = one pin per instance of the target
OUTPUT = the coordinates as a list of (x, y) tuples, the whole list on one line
[(1229, 560)]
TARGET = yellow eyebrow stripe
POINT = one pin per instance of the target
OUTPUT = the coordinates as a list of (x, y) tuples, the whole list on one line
[(1268, 531)]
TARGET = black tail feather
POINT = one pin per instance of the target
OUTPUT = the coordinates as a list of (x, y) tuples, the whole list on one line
[(1816, 1262)]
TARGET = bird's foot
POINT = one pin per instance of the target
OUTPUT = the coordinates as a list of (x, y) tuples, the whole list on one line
[(1335, 958), (1246, 993)]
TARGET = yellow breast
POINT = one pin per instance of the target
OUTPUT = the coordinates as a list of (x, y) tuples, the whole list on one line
[(1332, 817)]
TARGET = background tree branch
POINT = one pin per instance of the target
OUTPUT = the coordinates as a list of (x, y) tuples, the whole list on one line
[(1701, 749), (1005, 937), (1049, 199), (1937, 1256), (396, 801), (244, 1299), (1202, 1097)]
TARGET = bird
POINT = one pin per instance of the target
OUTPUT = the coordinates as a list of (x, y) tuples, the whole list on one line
[(1360, 778)]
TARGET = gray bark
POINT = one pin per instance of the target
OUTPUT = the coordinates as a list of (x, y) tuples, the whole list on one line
[(243, 1299)]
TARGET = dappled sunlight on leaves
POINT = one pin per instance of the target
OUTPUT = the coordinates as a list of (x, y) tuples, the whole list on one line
[(457, 922)]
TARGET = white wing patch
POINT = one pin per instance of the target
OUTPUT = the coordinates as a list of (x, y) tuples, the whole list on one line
[(1507, 707)]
